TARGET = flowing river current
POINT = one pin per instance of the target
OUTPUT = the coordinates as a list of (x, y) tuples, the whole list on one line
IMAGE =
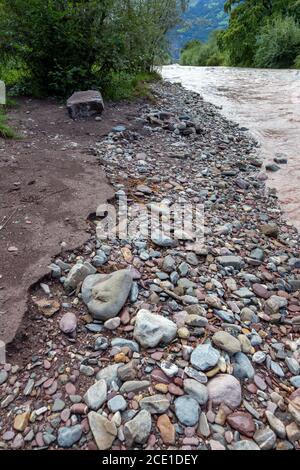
[(267, 102)]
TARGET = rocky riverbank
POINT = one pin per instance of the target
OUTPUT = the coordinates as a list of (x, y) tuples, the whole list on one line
[(158, 344)]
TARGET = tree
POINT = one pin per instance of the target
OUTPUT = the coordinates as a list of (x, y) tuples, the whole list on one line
[(278, 43), (68, 44), (247, 19)]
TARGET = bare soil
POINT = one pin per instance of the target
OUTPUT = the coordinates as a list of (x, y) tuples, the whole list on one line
[(50, 182)]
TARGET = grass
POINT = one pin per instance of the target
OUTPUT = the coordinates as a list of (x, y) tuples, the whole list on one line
[(127, 86), (6, 132)]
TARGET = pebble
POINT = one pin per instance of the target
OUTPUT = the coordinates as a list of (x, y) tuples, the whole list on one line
[(242, 422), (166, 429), (96, 395), (103, 430), (275, 424), (225, 389), (117, 403), (156, 404), (67, 437), (204, 357), (265, 438), (138, 429), (196, 390), (187, 410)]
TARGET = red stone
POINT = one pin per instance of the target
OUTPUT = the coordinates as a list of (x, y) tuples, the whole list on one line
[(70, 389), (242, 422), (157, 375), (261, 291), (175, 390), (65, 415), (259, 382)]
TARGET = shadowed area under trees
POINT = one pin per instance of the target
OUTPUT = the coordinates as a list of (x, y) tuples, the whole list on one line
[(53, 47)]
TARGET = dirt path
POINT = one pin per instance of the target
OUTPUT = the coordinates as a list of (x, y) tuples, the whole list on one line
[(49, 183)]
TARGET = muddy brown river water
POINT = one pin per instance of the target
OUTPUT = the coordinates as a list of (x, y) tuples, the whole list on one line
[(267, 102)]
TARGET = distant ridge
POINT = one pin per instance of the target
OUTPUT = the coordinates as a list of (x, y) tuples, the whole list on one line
[(202, 17)]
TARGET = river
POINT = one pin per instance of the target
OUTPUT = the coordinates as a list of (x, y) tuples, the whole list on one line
[(267, 102)]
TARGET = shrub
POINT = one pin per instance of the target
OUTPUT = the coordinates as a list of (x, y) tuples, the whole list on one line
[(297, 62), (197, 53), (64, 45), (6, 132), (278, 44)]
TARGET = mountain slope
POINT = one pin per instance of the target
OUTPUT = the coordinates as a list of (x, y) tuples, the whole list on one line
[(202, 17)]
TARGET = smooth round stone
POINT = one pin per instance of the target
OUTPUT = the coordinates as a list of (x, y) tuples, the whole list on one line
[(196, 390), (8, 436), (183, 333), (204, 357), (293, 365), (187, 410), (58, 405), (242, 367), (259, 382), (265, 438), (259, 357), (68, 323), (155, 404), (117, 403), (112, 323), (94, 327), (88, 371), (295, 381), (225, 388), (227, 342), (69, 436)]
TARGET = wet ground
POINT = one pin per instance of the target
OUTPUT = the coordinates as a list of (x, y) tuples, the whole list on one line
[(267, 102)]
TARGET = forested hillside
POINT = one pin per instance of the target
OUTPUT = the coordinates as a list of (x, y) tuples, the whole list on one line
[(260, 33), (201, 18)]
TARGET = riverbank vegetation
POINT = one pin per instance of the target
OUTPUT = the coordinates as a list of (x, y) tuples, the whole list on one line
[(203, 53), (54, 47), (6, 132), (261, 33)]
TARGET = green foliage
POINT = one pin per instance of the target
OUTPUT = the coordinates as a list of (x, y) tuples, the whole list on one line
[(259, 34), (297, 62), (197, 53), (125, 86), (5, 130), (278, 43), (60, 46)]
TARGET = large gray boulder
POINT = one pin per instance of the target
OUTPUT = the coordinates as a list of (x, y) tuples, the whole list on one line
[(150, 329), (105, 294), (83, 104)]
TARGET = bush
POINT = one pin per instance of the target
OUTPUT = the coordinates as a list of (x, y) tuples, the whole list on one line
[(197, 53), (125, 86), (5, 130), (65, 45), (278, 44), (297, 62)]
